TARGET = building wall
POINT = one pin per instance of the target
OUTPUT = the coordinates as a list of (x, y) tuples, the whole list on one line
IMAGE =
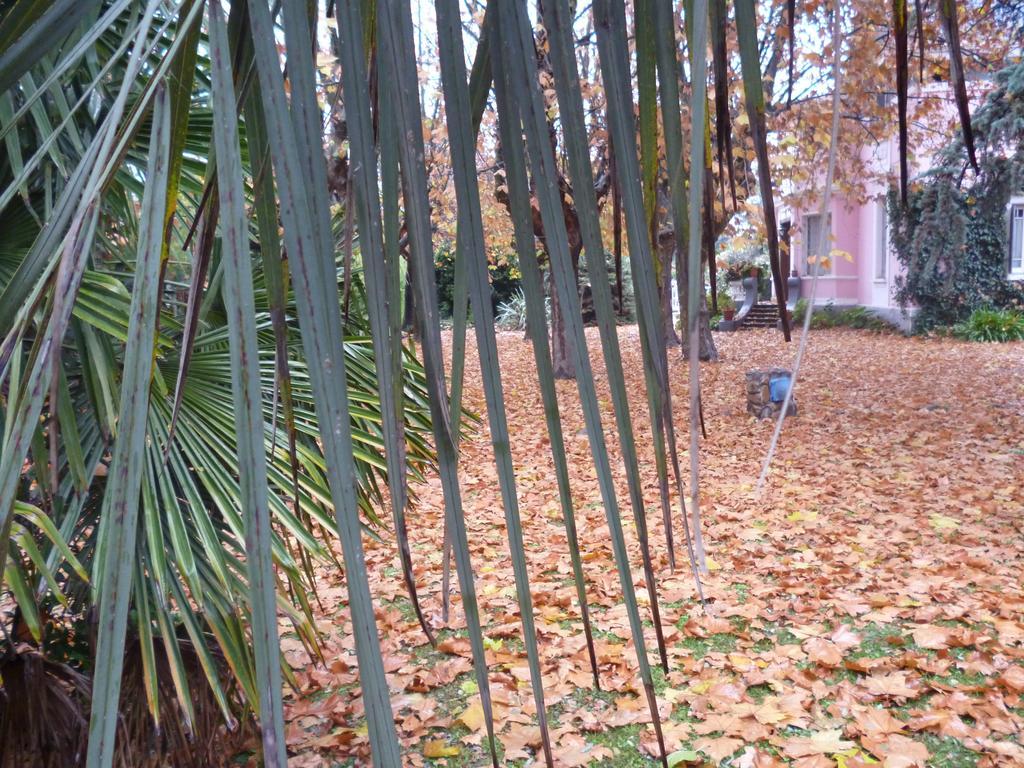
[(859, 240), (857, 226)]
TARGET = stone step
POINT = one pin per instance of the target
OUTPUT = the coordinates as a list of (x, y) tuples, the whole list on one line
[(761, 315)]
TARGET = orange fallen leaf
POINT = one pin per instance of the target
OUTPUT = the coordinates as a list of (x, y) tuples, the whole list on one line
[(717, 749), (893, 684), (472, 717), (897, 751), (931, 637), (1013, 678), (877, 722), (823, 651)]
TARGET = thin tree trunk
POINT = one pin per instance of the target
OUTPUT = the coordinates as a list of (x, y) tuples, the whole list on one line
[(708, 352), (620, 308), (664, 254), (561, 351)]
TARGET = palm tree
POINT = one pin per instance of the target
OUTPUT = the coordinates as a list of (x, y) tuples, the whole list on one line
[(190, 610)]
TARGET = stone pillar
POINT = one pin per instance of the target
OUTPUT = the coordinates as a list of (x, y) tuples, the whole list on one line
[(766, 390)]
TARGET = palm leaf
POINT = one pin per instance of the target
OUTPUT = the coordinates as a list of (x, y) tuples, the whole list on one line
[(610, 24), (746, 29), (120, 517), (238, 295), (533, 290), (648, 107), (697, 19), (463, 150), (524, 90), (951, 23), (723, 127), (397, 47), (22, 50), (376, 273), (668, 82), (899, 24), (306, 231), (822, 244)]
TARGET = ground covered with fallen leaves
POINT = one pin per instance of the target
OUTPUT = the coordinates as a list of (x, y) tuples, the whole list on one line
[(867, 609)]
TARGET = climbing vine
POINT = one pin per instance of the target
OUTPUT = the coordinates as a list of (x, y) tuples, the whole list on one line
[(951, 237)]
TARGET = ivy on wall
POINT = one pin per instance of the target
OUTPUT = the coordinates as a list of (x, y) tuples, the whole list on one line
[(951, 237)]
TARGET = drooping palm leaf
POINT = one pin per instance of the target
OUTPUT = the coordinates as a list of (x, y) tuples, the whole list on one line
[(900, 34), (668, 84), (385, 337), (696, 28), (822, 245), (648, 106), (951, 24), (306, 234), (533, 289), (120, 518), (24, 45), (723, 123), (791, 43), (463, 145), (519, 68), (397, 46), (479, 86), (610, 25), (746, 29), (245, 384)]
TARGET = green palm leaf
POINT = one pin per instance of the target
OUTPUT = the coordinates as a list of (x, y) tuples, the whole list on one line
[(120, 518)]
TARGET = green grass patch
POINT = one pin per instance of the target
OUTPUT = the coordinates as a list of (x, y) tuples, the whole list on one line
[(948, 752)]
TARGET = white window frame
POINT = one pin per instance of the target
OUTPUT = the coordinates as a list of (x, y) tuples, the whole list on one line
[(1015, 237), (881, 265), (809, 247)]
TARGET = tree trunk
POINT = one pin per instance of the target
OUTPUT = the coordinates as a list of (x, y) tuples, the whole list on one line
[(665, 253), (561, 349), (707, 352)]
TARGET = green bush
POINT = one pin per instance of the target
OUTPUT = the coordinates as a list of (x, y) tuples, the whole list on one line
[(799, 311), (504, 279), (829, 316), (725, 301), (511, 314), (992, 325)]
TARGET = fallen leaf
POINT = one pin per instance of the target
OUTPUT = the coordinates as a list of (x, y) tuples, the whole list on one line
[(823, 651), (820, 743), (893, 684), (1013, 678), (897, 751), (719, 748), (877, 722), (931, 637), (472, 717), (438, 748)]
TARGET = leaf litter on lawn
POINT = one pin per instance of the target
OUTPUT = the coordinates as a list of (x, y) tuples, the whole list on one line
[(866, 610)]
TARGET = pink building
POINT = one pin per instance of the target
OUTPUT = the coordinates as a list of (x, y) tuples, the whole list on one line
[(864, 267)]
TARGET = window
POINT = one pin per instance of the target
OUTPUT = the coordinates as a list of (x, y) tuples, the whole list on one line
[(812, 241), (1017, 240), (882, 245)]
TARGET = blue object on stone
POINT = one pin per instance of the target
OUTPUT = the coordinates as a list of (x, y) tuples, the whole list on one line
[(778, 386)]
